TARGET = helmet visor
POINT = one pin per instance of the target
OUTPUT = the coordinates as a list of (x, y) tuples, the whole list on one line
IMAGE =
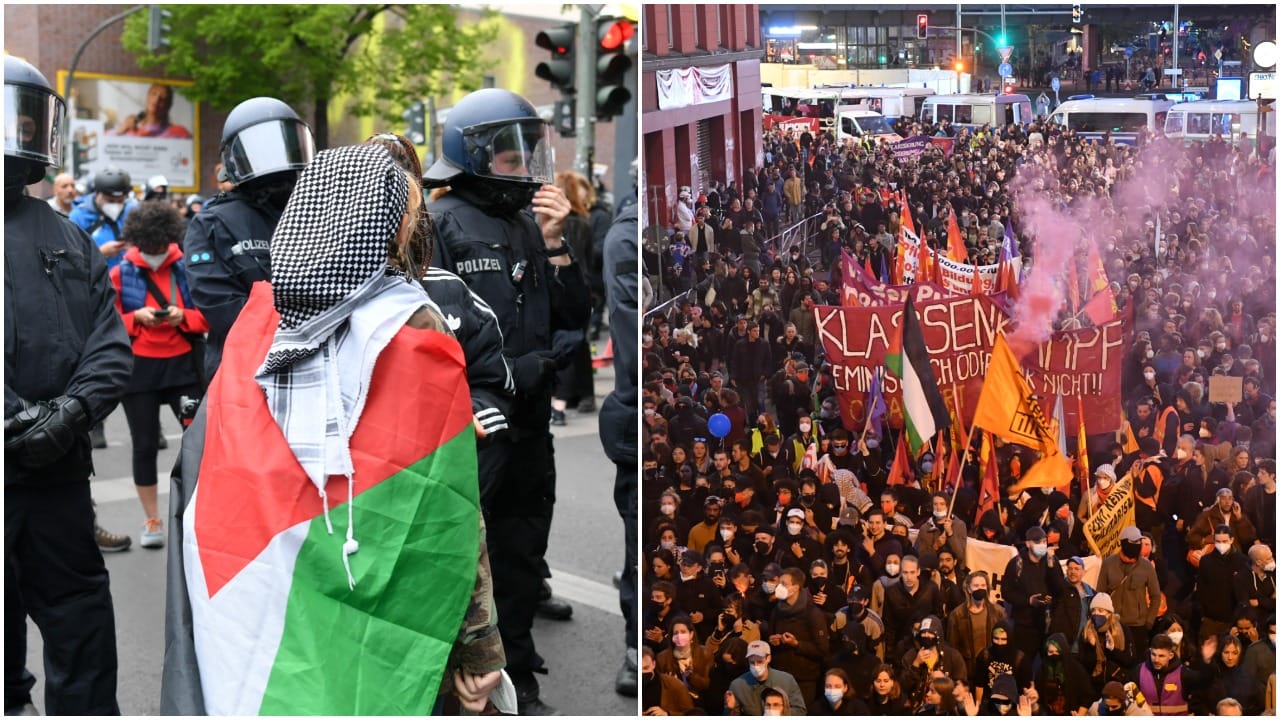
[(32, 124), (267, 148), (520, 151)]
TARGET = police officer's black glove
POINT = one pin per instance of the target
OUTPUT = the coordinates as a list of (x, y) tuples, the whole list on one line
[(21, 420), (52, 428), (532, 371)]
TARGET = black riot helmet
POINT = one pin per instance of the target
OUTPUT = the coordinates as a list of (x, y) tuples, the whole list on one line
[(495, 135), (32, 122), (263, 136)]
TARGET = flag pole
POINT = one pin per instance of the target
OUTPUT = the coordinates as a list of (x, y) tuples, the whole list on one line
[(955, 486)]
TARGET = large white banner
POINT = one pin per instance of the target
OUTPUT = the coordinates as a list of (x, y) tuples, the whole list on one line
[(993, 558), (694, 86)]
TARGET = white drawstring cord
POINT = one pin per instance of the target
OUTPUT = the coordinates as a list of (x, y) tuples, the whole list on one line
[(324, 497), (351, 546)]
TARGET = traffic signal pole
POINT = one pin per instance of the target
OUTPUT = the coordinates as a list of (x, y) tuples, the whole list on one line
[(67, 148), (584, 142)]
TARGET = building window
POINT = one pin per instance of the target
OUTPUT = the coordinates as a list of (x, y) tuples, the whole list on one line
[(716, 25), (698, 41), (671, 29)]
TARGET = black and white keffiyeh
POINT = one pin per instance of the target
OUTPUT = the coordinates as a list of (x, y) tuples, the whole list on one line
[(339, 308)]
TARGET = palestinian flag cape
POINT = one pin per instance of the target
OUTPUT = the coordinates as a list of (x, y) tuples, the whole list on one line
[(924, 412), (260, 619)]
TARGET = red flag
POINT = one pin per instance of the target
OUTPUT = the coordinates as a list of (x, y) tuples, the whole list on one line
[(955, 241), (953, 469), (1101, 309), (1007, 280), (901, 470), (922, 262), (1073, 286), (866, 263), (938, 475), (977, 282)]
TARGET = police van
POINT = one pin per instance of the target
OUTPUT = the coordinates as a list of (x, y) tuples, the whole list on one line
[(891, 102), (853, 122), (1092, 118), (1199, 120), (975, 110)]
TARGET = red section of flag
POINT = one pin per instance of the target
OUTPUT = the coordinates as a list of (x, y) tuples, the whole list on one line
[(955, 241), (248, 494), (901, 470)]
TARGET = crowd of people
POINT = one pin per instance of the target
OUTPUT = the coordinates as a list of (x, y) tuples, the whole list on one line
[(791, 567)]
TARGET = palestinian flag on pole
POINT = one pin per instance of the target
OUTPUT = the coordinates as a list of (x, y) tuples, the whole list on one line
[(263, 621), (923, 409)]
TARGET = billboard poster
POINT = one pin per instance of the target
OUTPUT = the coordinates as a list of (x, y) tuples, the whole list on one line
[(144, 126)]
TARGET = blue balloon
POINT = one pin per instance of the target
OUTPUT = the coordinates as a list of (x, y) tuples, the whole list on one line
[(718, 424)]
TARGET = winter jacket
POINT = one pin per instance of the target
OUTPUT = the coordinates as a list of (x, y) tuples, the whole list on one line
[(807, 623), (1134, 590)]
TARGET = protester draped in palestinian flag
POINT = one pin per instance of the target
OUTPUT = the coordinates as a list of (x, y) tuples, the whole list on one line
[(924, 410), (327, 554)]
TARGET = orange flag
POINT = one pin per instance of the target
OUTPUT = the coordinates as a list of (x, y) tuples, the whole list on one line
[(976, 289), (989, 495), (955, 241), (923, 273)]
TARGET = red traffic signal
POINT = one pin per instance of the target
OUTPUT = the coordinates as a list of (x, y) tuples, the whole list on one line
[(922, 26), (615, 34), (558, 69), (1008, 88)]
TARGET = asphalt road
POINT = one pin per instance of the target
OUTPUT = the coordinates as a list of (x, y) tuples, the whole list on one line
[(586, 548)]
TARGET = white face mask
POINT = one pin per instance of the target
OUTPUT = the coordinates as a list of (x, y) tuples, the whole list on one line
[(781, 592), (940, 514), (1040, 549), (768, 588), (1150, 354), (892, 569), (804, 429), (1269, 567), (1223, 548), (759, 670), (668, 509), (1149, 375), (112, 210), (1204, 433), (1104, 483), (795, 528), (768, 712), (833, 696), (667, 545), (1181, 454), (726, 534), (1176, 637), (154, 261)]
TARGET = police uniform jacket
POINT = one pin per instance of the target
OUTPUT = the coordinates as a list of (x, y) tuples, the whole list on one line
[(228, 249), (62, 334), (502, 259)]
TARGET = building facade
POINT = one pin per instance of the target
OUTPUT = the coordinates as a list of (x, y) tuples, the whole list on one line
[(700, 99)]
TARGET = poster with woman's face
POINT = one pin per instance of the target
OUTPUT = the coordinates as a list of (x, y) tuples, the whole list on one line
[(144, 126)]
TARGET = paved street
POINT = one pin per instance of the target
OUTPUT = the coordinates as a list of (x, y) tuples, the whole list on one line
[(586, 548)]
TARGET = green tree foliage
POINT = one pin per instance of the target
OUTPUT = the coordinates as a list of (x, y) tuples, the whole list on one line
[(383, 57)]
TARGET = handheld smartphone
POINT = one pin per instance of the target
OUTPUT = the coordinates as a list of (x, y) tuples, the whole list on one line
[(161, 313)]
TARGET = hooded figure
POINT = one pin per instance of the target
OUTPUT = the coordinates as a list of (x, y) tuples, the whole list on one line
[(336, 448), (1062, 682), (998, 658)]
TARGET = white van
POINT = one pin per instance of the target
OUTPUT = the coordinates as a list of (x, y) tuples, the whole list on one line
[(975, 110), (1122, 117), (853, 122), (891, 102), (1199, 120)]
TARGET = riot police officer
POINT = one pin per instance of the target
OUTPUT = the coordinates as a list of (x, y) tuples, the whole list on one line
[(228, 244), (499, 229), (67, 359)]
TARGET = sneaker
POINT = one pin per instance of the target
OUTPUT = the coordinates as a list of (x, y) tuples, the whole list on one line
[(557, 418), (109, 541), (152, 534), (587, 406)]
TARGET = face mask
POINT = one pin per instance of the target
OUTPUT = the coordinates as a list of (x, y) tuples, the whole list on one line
[(726, 534), (1272, 636), (1002, 708), (1040, 549), (1104, 483), (758, 671), (1205, 433), (834, 697), (769, 587), (926, 467), (892, 569), (1221, 346), (1176, 637), (1130, 550), (1181, 454), (667, 545), (770, 712), (668, 509), (1269, 567), (781, 592), (873, 443), (650, 412), (1099, 621), (808, 500), (804, 429), (681, 640), (112, 210), (839, 450), (979, 595), (1150, 354), (1150, 376), (762, 548), (1200, 354), (940, 514), (1222, 548), (795, 528), (155, 261)]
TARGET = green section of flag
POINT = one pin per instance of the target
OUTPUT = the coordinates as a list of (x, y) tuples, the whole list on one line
[(381, 648)]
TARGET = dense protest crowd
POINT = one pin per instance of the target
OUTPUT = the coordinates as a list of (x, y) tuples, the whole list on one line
[(796, 562)]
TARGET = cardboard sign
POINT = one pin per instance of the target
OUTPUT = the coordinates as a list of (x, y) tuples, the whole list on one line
[(1226, 389)]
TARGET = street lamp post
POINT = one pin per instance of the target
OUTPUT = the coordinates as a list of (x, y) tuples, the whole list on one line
[(71, 76)]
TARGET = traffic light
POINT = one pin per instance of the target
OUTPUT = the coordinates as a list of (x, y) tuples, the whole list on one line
[(613, 63), (1000, 40), (415, 119), (558, 70), (157, 28), (1008, 87), (1076, 14), (922, 26)]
